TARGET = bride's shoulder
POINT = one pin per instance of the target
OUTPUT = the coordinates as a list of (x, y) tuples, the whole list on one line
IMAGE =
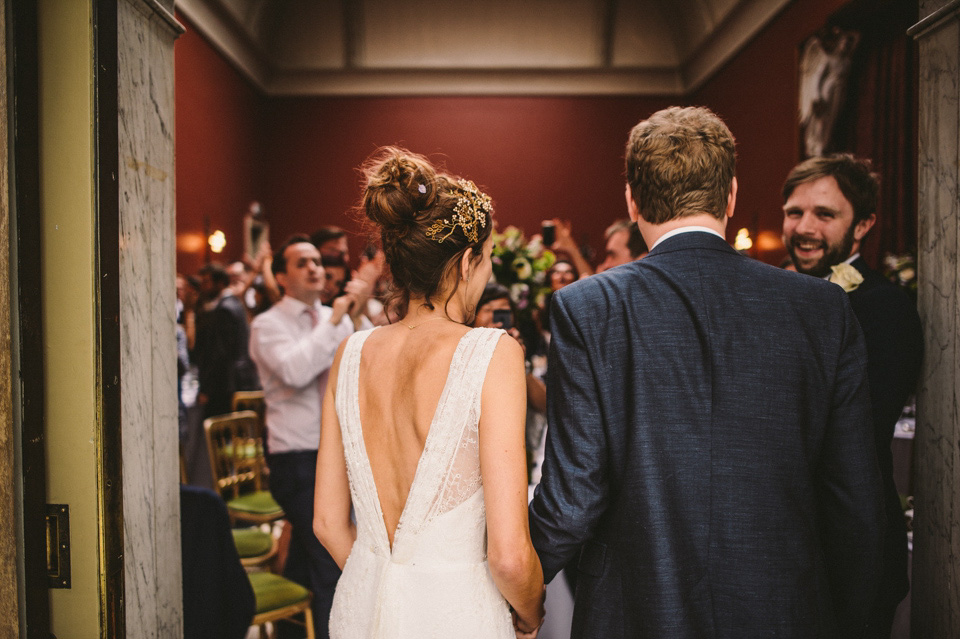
[(507, 351)]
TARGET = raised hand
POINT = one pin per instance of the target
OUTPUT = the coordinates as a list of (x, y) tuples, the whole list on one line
[(342, 305), (371, 269), (360, 290)]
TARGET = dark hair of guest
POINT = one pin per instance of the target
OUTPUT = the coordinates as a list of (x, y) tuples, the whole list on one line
[(279, 264), (573, 268), (218, 274), (857, 182)]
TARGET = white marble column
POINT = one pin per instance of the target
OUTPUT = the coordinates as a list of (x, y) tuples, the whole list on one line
[(151, 503), (936, 542)]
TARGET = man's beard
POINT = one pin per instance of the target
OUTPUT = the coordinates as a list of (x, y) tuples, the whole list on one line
[(832, 254)]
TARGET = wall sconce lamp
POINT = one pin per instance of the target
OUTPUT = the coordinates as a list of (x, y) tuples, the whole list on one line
[(743, 241), (217, 241)]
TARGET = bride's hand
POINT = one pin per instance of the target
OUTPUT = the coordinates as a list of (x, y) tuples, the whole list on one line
[(521, 629), (526, 630)]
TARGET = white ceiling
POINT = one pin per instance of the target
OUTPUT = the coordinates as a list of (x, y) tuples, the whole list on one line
[(479, 47)]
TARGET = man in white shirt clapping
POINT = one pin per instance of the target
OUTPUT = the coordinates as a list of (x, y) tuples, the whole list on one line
[(293, 345)]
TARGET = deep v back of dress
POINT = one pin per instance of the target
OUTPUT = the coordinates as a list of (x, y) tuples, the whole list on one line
[(434, 581)]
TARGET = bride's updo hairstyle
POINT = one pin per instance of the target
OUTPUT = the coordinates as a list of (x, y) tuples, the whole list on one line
[(427, 220)]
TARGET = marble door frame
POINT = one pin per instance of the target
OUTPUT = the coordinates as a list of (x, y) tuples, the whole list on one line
[(935, 599)]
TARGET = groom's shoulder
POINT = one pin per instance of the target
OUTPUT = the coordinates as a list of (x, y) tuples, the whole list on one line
[(651, 278), (774, 279), (595, 288)]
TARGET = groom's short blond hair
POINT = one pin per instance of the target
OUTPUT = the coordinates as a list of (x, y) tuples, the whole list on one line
[(680, 162)]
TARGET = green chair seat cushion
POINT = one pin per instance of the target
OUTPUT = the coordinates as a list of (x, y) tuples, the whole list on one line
[(248, 450), (273, 591), (260, 502), (251, 542)]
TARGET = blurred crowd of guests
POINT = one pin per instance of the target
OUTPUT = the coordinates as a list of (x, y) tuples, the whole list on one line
[(216, 305)]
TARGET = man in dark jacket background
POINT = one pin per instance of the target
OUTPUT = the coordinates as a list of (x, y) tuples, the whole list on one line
[(223, 361), (830, 206)]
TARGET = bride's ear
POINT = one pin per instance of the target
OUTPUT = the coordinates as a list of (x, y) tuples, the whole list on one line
[(465, 264)]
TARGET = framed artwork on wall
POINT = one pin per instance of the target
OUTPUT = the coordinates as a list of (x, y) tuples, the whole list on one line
[(825, 61)]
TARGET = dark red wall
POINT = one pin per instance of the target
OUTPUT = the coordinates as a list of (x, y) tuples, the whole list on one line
[(537, 157), (219, 150), (756, 95)]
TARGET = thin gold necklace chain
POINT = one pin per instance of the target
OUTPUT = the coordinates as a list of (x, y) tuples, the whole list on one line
[(413, 326)]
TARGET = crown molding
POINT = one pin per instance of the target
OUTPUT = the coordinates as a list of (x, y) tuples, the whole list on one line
[(949, 11), (229, 38), (729, 38), (399, 82), (242, 51)]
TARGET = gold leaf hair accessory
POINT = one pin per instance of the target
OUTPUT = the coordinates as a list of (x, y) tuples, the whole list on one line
[(470, 214)]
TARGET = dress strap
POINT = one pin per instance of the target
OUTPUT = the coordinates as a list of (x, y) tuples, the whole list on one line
[(478, 358), (363, 490)]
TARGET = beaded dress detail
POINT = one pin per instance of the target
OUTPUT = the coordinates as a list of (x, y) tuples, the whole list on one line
[(435, 581)]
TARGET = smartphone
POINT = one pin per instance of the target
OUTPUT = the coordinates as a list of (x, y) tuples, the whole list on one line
[(504, 317), (548, 232)]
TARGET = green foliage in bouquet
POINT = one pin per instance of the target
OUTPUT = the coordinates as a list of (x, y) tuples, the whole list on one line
[(521, 267)]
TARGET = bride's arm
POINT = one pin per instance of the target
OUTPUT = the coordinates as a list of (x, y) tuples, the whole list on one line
[(503, 465), (331, 497)]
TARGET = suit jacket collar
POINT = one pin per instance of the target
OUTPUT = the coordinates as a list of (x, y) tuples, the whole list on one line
[(692, 240), (861, 265)]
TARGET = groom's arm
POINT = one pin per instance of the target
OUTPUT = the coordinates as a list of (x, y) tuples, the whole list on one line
[(572, 494)]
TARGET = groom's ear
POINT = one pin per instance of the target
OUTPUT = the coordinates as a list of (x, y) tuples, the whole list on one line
[(731, 199), (632, 209)]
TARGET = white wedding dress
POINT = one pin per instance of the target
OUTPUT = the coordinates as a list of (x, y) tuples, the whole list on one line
[(435, 581)]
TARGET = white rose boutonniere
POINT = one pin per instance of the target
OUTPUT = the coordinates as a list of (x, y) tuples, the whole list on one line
[(846, 276)]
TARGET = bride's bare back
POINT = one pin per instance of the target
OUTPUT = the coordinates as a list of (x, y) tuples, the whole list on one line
[(402, 375)]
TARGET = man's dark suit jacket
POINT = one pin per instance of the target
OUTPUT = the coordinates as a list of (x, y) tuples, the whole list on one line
[(710, 452), (894, 339), (223, 360)]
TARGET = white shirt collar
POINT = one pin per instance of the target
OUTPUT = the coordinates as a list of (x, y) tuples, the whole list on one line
[(295, 306), (686, 229)]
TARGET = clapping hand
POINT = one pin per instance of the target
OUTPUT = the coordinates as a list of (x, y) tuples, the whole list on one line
[(359, 291), (370, 268), (342, 305)]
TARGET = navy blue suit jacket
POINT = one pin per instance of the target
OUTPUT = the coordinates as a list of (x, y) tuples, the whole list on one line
[(710, 454)]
